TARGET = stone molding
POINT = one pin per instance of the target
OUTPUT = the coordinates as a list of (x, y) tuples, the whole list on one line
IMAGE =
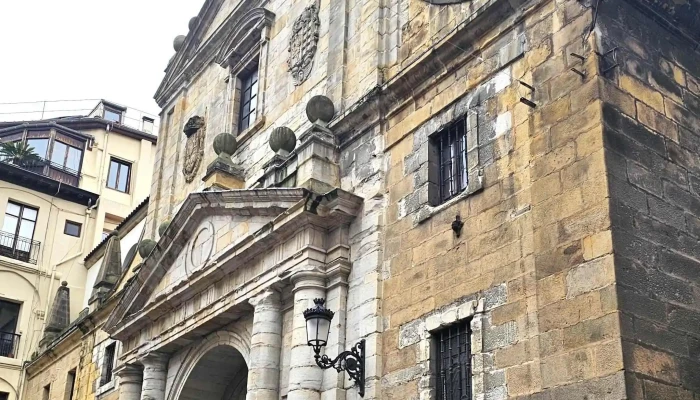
[(154, 360), (129, 373), (420, 331), (240, 341), (268, 297), (308, 279), (244, 28), (194, 209), (443, 59)]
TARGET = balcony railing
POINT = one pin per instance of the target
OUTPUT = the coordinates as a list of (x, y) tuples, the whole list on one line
[(19, 248), (47, 168), (9, 344)]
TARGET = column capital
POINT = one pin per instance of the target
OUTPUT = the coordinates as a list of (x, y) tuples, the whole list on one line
[(268, 297), (313, 279), (129, 372), (155, 359), (338, 272)]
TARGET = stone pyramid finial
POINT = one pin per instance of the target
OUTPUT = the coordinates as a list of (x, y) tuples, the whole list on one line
[(110, 270), (59, 317)]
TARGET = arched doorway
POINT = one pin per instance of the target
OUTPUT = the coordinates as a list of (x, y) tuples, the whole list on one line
[(221, 374)]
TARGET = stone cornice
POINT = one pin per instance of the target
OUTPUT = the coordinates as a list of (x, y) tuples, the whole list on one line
[(241, 30), (444, 57)]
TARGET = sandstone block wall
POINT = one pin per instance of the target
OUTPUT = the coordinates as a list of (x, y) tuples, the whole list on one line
[(55, 376), (653, 162), (536, 246)]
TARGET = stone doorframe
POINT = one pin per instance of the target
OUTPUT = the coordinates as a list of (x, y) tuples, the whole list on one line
[(237, 340)]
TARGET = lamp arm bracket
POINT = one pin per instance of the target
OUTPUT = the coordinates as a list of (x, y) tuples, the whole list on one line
[(352, 361)]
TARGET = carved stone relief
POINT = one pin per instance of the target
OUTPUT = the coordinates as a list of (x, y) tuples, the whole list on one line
[(303, 43), (201, 248), (195, 130)]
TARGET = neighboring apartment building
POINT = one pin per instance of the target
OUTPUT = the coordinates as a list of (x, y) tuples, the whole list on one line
[(90, 173), (496, 198), (78, 364)]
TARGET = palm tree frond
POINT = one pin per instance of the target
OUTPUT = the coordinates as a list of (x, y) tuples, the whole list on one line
[(17, 152)]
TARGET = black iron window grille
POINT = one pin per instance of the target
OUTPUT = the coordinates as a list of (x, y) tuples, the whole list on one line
[(108, 365), (448, 159), (453, 362), (249, 99)]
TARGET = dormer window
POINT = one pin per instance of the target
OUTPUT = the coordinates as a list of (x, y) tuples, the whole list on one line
[(112, 114)]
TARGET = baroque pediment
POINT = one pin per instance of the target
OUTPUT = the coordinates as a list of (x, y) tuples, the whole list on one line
[(213, 234), (240, 31)]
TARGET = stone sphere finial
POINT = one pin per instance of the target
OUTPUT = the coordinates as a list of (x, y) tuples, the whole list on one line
[(193, 22), (145, 247), (225, 144), (64, 283), (320, 108), (178, 42), (283, 138), (163, 227)]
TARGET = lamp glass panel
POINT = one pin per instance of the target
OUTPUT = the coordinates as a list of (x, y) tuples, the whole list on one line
[(312, 329), (324, 326)]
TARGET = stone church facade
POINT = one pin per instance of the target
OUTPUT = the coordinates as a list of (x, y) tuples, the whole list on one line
[(500, 197)]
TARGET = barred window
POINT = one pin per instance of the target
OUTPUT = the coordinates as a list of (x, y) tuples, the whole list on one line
[(452, 360), (108, 365), (448, 162)]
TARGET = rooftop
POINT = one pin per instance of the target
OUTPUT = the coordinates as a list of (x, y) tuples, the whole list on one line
[(61, 110)]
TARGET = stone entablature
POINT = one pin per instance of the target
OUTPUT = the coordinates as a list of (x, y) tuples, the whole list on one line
[(301, 237)]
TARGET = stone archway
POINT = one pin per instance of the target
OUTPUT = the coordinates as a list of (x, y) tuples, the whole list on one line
[(220, 374)]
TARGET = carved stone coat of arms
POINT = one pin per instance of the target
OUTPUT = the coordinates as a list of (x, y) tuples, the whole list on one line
[(303, 43), (195, 130)]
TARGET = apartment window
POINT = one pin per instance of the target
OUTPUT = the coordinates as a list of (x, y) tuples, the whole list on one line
[(18, 226), (9, 339), (40, 146), (4, 395), (452, 360), (47, 392), (108, 365), (70, 385), (72, 228), (113, 115), (249, 98), (66, 157), (119, 175), (448, 162)]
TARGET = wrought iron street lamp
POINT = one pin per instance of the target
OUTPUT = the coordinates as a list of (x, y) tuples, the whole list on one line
[(318, 326)]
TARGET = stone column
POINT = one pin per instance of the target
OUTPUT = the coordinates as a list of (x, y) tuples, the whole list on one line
[(305, 377), (155, 373), (130, 381), (336, 299), (265, 347)]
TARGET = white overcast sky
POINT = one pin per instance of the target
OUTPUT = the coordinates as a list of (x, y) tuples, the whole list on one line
[(88, 49)]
